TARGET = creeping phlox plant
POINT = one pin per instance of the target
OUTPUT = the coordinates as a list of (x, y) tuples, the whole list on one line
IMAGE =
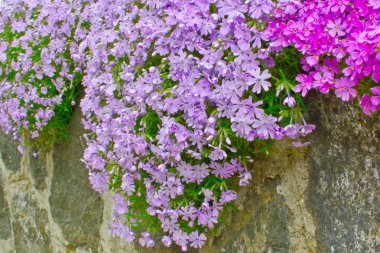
[(339, 40), (38, 78), (178, 96)]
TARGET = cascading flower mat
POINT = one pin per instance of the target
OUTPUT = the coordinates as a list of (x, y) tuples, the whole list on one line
[(177, 93), (38, 77), (180, 94)]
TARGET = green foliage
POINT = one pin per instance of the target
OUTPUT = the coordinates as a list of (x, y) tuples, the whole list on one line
[(287, 67)]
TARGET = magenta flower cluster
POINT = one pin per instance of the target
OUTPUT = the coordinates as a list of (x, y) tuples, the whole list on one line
[(339, 40), (177, 91)]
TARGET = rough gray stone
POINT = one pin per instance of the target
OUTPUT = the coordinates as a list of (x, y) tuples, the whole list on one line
[(75, 207), (5, 221), (344, 185), (266, 214), (9, 153), (29, 225), (38, 168)]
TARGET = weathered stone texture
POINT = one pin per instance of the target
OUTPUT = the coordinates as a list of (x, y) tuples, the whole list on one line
[(263, 227), (75, 207), (30, 230), (9, 153), (5, 219), (38, 168), (272, 215), (344, 186), (321, 198)]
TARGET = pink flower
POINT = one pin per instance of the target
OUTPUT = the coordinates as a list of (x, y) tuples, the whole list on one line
[(336, 27), (353, 69), (331, 65), (344, 90), (312, 60), (340, 6), (305, 84), (375, 99), (322, 78), (367, 105)]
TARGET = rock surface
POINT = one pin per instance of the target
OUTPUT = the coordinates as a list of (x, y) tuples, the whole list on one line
[(75, 207), (343, 194), (321, 198), (5, 221)]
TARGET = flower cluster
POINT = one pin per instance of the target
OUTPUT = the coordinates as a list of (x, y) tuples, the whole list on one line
[(339, 40), (180, 94), (37, 74), (176, 93)]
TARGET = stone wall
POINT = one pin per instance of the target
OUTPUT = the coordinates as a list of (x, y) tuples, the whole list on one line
[(321, 198)]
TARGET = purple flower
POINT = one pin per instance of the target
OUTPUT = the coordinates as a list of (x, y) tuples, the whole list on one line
[(167, 241), (188, 212), (259, 8), (289, 101), (292, 131), (228, 196), (200, 172), (222, 170), (244, 178), (260, 80), (265, 126), (170, 225), (146, 240), (196, 240), (128, 184), (181, 239), (120, 205), (217, 154), (99, 181), (118, 228)]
